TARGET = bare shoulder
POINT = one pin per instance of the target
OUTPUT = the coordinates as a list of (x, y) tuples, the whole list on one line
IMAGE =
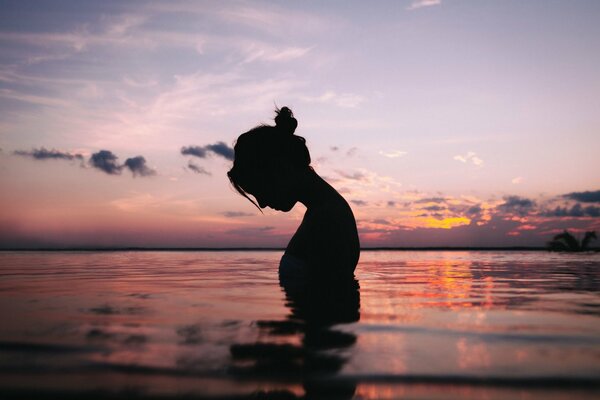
[(334, 237), (332, 215)]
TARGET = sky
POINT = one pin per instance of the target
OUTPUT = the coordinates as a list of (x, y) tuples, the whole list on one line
[(442, 122)]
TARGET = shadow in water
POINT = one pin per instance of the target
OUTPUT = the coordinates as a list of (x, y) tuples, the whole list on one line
[(318, 352)]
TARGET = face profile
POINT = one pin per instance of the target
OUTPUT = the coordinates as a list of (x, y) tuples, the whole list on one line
[(272, 190), (272, 168)]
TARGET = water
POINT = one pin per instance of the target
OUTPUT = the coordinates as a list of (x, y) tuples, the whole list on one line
[(218, 324)]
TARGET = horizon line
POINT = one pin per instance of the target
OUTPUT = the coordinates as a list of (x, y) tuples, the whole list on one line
[(236, 249)]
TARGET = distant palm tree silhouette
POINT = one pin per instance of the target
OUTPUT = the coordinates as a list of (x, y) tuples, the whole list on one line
[(567, 242), (589, 236)]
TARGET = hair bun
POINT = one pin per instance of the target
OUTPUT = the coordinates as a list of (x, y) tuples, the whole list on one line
[(285, 120)]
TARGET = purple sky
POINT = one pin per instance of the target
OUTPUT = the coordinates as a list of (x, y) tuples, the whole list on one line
[(443, 122)]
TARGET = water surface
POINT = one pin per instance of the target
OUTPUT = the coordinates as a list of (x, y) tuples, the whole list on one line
[(219, 324)]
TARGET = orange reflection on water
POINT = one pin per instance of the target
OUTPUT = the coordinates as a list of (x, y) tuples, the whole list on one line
[(451, 281), (371, 391), (448, 284)]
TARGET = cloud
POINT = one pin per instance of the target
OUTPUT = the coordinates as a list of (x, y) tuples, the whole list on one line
[(344, 100), (576, 211), (393, 153), (451, 211), (236, 214), (473, 220), (441, 217), (103, 160), (351, 152), (44, 154), (262, 52), (359, 203), (137, 165), (497, 218), (584, 197), (517, 205), (529, 214), (431, 200), (219, 148), (196, 151), (251, 231), (434, 208), (474, 210), (381, 221), (416, 4), (106, 161), (356, 176), (517, 180), (469, 157), (275, 21), (197, 169), (33, 99)]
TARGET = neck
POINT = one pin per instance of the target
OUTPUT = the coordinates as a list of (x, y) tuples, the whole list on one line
[(315, 191)]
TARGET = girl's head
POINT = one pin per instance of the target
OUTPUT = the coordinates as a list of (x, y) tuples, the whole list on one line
[(268, 162)]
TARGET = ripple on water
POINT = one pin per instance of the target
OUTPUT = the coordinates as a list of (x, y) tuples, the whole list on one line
[(476, 323)]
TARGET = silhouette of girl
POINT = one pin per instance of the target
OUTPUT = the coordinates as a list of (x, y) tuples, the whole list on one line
[(273, 166)]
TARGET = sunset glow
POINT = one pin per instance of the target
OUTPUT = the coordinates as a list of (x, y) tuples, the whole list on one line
[(443, 123)]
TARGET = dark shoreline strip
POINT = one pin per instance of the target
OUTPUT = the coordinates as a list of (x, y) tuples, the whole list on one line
[(542, 382)]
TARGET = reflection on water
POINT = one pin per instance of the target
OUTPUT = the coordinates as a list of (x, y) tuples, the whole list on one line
[(315, 310), (220, 324)]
